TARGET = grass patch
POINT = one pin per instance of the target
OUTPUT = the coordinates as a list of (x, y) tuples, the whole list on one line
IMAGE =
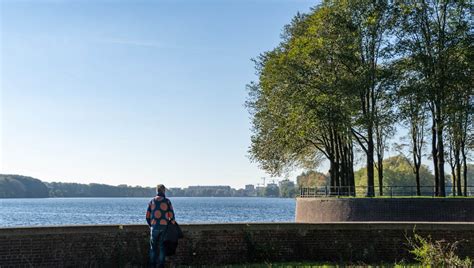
[(396, 196), (305, 265)]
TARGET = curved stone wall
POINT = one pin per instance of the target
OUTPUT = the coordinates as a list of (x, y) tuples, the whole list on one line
[(316, 210)]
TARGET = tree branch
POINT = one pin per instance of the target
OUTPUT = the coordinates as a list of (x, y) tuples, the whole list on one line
[(317, 147)]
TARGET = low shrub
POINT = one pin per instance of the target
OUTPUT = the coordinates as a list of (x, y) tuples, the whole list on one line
[(436, 253)]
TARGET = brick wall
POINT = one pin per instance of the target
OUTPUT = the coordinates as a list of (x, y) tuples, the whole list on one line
[(315, 210), (112, 246)]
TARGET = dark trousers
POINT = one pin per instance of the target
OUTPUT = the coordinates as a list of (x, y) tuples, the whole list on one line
[(157, 250)]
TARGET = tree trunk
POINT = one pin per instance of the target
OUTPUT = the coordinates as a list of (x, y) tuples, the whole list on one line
[(351, 167), (434, 154), (439, 132), (464, 162), (336, 159), (457, 163), (370, 164), (343, 164), (332, 177), (464, 135), (416, 156), (380, 174), (417, 177), (380, 152), (458, 178), (453, 177)]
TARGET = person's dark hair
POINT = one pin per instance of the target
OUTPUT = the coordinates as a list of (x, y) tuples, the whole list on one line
[(160, 188)]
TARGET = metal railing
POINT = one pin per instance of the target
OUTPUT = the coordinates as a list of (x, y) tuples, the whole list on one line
[(388, 191)]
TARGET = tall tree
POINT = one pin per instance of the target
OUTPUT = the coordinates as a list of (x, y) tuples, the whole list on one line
[(429, 33), (302, 104), (331, 81), (383, 123), (467, 137), (413, 112), (362, 24)]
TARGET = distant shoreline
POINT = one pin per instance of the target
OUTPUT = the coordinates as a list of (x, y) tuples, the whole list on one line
[(18, 186), (85, 197)]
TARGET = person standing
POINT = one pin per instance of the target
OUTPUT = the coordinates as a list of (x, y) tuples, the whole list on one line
[(159, 214)]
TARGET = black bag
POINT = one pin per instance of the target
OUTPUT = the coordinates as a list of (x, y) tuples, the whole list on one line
[(180, 233), (170, 247), (170, 240)]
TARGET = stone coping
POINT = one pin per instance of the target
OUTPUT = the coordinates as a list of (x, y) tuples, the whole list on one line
[(23, 230), (388, 198)]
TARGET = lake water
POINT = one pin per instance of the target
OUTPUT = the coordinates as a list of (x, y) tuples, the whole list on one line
[(71, 211)]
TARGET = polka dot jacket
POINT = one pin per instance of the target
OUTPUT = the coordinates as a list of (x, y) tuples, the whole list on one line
[(160, 212)]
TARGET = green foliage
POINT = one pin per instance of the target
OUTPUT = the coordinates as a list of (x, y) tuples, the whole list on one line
[(301, 105), (271, 190), (436, 253), (16, 186), (347, 70), (312, 178), (398, 171), (434, 43), (287, 188), (202, 191), (61, 189)]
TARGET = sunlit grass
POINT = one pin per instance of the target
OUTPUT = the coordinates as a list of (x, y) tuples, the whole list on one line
[(390, 197), (306, 265)]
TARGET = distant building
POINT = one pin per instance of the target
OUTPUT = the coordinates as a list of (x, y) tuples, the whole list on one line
[(249, 187), (250, 190)]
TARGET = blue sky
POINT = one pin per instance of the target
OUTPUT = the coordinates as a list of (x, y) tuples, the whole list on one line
[(134, 92)]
